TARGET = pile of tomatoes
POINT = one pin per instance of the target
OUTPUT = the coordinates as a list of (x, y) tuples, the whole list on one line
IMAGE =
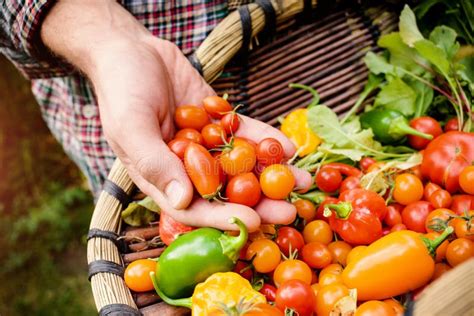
[(212, 155)]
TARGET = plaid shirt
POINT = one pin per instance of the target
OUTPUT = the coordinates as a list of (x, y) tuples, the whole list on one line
[(66, 98)]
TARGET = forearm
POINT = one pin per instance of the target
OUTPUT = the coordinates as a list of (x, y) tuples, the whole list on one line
[(85, 31)]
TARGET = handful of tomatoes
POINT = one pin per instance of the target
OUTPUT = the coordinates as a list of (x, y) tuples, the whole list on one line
[(313, 265)]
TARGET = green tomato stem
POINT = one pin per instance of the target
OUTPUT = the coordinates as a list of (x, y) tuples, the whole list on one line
[(231, 245), (184, 302), (342, 209), (399, 126), (432, 245)]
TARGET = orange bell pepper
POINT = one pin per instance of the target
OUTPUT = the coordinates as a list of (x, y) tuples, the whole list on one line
[(395, 264)]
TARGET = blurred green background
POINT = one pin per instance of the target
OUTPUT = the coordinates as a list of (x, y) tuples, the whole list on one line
[(45, 209)]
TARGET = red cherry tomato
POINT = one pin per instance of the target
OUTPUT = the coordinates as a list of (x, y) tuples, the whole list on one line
[(328, 179), (462, 203), (350, 183), (451, 125), (398, 227), (414, 215), (441, 199), (427, 125), (191, 134), (269, 151), (243, 269), (393, 216), (288, 237), (243, 189), (296, 295), (230, 123), (269, 291), (213, 135), (216, 106), (320, 210), (430, 188), (191, 116), (366, 162), (178, 146), (316, 255)]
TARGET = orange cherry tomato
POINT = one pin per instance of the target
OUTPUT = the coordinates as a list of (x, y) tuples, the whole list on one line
[(466, 180), (464, 227), (318, 230), (213, 135), (339, 250), (459, 250), (290, 270), (441, 199), (305, 209), (430, 188), (216, 106), (334, 268), (396, 306), (243, 189), (263, 310), (191, 134), (277, 181), (374, 308), (408, 189), (437, 220), (328, 296), (178, 146), (355, 253), (441, 250), (316, 255), (440, 269), (265, 253), (330, 278), (191, 116), (315, 288), (137, 275), (238, 158)]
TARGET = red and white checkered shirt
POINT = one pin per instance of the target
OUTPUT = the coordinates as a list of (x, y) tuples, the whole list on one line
[(66, 99)]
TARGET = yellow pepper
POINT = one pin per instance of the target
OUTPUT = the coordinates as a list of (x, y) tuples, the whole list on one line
[(223, 293), (295, 127)]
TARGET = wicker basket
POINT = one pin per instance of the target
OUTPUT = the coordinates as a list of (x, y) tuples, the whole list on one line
[(321, 48)]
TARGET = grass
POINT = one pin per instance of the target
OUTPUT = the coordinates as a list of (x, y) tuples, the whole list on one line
[(45, 210)]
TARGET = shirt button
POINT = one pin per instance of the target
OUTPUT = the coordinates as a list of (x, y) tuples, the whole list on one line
[(89, 111)]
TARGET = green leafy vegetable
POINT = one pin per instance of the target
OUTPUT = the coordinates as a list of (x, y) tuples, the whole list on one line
[(140, 213), (397, 95), (409, 31)]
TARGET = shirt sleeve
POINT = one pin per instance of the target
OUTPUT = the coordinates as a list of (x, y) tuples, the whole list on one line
[(20, 41)]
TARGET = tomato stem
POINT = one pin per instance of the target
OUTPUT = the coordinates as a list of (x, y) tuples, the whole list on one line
[(231, 245), (342, 209), (184, 302), (432, 245)]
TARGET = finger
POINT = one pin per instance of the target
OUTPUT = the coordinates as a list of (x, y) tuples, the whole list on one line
[(277, 212), (256, 130), (303, 179)]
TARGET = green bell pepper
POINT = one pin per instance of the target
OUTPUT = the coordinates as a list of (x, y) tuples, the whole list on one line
[(389, 126), (196, 255)]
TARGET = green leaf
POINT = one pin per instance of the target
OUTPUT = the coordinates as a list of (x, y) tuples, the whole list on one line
[(409, 31), (377, 64), (352, 154), (466, 71), (424, 97), (140, 213), (445, 38), (434, 55), (401, 54), (397, 95)]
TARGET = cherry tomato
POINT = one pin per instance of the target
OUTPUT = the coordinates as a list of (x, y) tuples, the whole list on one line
[(459, 250), (451, 125), (440, 269), (330, 278), (316, 255), (328, 296), (350, 183), (213, 135), (289, 238), (328, 179), (314, 277), (334, 268), (462, 203), (269, 291), (396, 306), (315, 288), (292, 269), (318, 230), (320, 210), (203, 170), (393, 216), (306, 209), (191, 116), (441, 250), (216, 106), (243, 189), (243, 269), (466, 179), (355, 253), (239, 158), (427, 125), (416, 171), (296, 295), (137, 275), (262, 309), (191, 134), (178, 146), (408, 189), (441, 199), (437, 220), (398, 227), (339, 250), (430, 188), (464, 227), (414, 215), (277, 181), (269, 151), (230, 123), (267, 255), (374, 308), (366, 162)]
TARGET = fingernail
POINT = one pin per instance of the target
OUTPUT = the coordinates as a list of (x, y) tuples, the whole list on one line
[(174, 191)]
